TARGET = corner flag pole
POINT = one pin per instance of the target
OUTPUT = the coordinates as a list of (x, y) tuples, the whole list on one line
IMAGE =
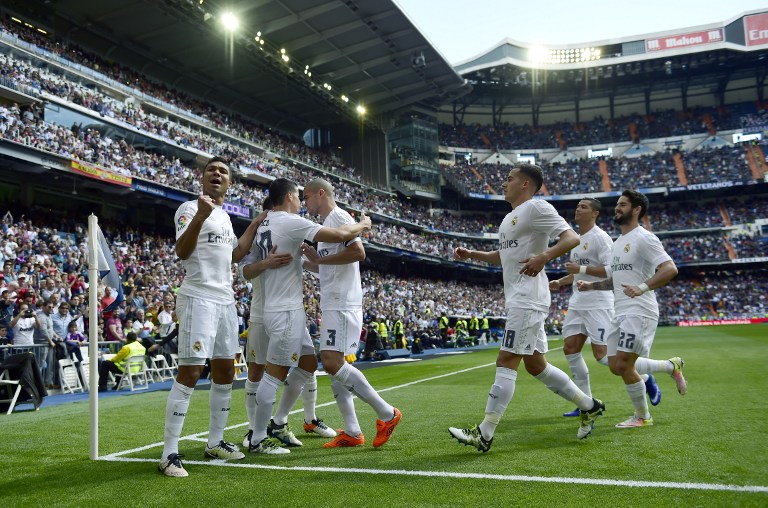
[(93, 334)]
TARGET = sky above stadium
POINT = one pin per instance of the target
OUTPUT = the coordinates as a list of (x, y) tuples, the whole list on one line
[(462, 29)]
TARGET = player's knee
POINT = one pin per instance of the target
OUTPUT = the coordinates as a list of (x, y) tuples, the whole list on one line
[(188, 375), (570, 348), (308, 363), (255, 372), (331, 362), (619, 367)]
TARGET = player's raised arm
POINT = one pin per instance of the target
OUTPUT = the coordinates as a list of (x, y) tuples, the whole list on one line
[(186, 243), (343, 233)]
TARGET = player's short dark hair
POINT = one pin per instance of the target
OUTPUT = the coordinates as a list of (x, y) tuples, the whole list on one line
[(533, 172), (594, 204), (280, 188), (218, 158), (267, 204), (637, 199)]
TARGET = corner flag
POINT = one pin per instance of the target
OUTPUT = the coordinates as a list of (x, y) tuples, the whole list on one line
[(100, 266), (107, 270)]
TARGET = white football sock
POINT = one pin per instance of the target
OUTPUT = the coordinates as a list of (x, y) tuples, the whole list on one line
[(559, 382), (309, 398), (636, 393), (501, 393), (355, 381), (219, 401), (346, 405), (266, 395), (579, 371), (292, 387), (648, 366), (176, 407), (250, 401), (603, 361)]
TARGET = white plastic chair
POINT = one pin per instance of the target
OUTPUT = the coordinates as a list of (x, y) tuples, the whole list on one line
[(159, 369), (70, 381), (134, 374), (241, 368), (12, 386), (85, 368)]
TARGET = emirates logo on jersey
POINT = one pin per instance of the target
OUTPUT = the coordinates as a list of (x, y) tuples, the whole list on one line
[(626, 248), (586, 245), (514, 220)]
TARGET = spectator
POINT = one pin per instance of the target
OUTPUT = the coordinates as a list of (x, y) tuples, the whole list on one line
[(117, 364)]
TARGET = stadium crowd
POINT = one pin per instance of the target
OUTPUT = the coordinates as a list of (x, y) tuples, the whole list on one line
[(582, 176), (660, 124), (653, 170), (48, 263), (43, 256)]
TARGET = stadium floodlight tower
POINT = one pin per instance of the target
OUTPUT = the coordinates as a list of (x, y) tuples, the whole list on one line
[(229, 21)]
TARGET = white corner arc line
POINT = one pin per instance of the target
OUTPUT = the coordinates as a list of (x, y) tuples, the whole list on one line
[(476, 476)]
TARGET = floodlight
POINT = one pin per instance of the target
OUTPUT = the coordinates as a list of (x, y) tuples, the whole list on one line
[(538, 54), (230, 21), (360, 109)]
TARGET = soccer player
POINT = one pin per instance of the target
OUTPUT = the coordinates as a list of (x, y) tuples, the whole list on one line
[(589, 315), (284, 317), (341, 302), (638, 266), (523, 237), (256, 353), (205, 306)]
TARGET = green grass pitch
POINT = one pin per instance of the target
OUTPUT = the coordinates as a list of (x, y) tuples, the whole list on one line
[(712, 437)]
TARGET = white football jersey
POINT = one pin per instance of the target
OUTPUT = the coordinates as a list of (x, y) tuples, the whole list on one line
[(524, 233), (594, 249), (634, 260), (208, 270), (283, 287), (340, 287)]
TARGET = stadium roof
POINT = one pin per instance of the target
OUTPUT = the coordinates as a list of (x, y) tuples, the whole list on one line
[(367, 50), (671, 59)]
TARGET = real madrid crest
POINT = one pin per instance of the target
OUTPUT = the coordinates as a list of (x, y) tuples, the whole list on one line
[(514, 220), (197, 346), (626, 248), (586, 245), (295, 357)]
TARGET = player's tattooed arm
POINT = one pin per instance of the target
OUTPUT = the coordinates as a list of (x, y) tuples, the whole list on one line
[(600, 285)]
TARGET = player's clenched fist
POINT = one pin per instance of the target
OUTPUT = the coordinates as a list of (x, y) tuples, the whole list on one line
[(205, 206)]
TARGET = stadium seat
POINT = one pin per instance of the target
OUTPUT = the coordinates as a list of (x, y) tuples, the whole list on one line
[(20, 382), (135, 374), (11, 386), (70, 380), (241, 368), (85, 368), (159, 369)]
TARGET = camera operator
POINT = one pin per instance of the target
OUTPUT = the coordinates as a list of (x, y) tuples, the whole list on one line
[(24, 324)]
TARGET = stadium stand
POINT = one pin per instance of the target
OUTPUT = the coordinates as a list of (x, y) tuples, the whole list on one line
[(43, 252)]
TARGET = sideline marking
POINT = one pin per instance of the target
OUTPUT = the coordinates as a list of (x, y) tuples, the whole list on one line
[(477, 476)]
